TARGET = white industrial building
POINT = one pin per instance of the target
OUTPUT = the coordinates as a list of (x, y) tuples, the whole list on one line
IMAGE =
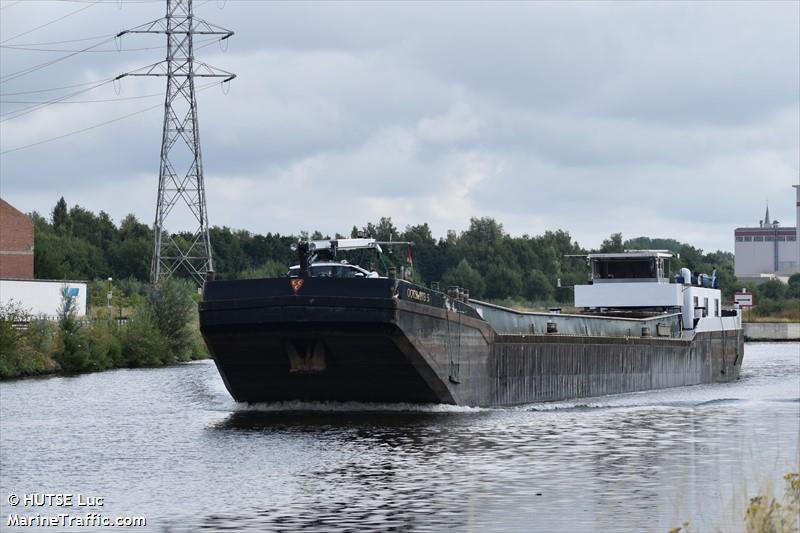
[(18, 287), (769, 250), (44, 297)]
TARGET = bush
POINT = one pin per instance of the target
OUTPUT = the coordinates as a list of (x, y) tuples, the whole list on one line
[(85, 348), (777, 309), (73, 353), (142, 343), (10, 338), (172, 309), (28, 351), (773, 289), (163, 329)]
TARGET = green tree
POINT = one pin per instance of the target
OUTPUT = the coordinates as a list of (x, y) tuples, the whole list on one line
[(793, 287), (463, 275), (384, 230), (61, 220), (503, 281), (613, 244), (773, 289), (270, 269), (428, 259), (538, 287)]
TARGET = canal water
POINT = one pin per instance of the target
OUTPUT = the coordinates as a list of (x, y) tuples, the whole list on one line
[(171, 446)]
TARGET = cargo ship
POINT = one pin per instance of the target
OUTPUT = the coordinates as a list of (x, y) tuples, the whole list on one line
[(333, 331)]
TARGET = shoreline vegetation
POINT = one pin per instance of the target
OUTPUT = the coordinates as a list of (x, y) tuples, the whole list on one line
[(161, 330), (524, 272), (765, 512)]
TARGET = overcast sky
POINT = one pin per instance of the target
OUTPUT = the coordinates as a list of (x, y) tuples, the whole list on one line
[(669, 119)]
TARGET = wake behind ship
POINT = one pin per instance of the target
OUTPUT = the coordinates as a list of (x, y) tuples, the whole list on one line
[(336, 332)]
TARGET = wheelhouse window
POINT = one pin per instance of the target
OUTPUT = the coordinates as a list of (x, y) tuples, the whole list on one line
[(348, 272), (325, 271), (329, 271), (625, 269)]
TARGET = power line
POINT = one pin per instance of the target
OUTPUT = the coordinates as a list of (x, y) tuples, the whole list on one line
[(10, 5), (34, 68), (52, 89), (51, 22), (29, 49), (26, 71), (114, 50), (99, 100), (37, 91), (106, 1), (24, 111), (83, 130), (93, 38)]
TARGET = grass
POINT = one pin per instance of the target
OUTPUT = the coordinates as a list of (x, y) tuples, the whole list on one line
[(768, 319)]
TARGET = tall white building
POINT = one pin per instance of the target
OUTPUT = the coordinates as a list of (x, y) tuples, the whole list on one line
[(768, 250)]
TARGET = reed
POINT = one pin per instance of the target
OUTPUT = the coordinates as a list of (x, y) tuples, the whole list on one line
[(766, 512)]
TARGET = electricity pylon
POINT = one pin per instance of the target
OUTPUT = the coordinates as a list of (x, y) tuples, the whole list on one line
[(180, 177)]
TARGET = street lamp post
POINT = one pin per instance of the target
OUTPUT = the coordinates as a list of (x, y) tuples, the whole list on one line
[(109, 295)]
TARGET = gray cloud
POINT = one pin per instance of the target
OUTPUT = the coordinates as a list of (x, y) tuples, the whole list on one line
[(665, 119)]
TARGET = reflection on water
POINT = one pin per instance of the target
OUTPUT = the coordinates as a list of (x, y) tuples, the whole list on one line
[(169, 444)]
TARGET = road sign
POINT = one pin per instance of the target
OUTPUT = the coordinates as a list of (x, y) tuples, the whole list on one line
[(744, 299)]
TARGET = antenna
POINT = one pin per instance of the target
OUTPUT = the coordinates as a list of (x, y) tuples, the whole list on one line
[(180, 177)]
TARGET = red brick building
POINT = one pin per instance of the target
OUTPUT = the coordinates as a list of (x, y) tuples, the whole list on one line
[(16, 243)]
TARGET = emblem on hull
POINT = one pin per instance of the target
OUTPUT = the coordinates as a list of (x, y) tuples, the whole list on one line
[(296, 283)]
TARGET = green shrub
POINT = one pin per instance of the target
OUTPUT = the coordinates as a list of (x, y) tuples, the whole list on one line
[(777, 309), (41, 336), (27, 351), (143, 344), (74, 355), (172, 309), (164, 329), (11, 340)]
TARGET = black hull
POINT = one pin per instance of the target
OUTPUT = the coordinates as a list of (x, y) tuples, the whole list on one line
[(390, 341)]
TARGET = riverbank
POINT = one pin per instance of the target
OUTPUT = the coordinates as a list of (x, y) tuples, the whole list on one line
[(162, 330), (771, 331)]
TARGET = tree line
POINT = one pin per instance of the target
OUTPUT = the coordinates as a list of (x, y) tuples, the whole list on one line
[(75, 243)]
